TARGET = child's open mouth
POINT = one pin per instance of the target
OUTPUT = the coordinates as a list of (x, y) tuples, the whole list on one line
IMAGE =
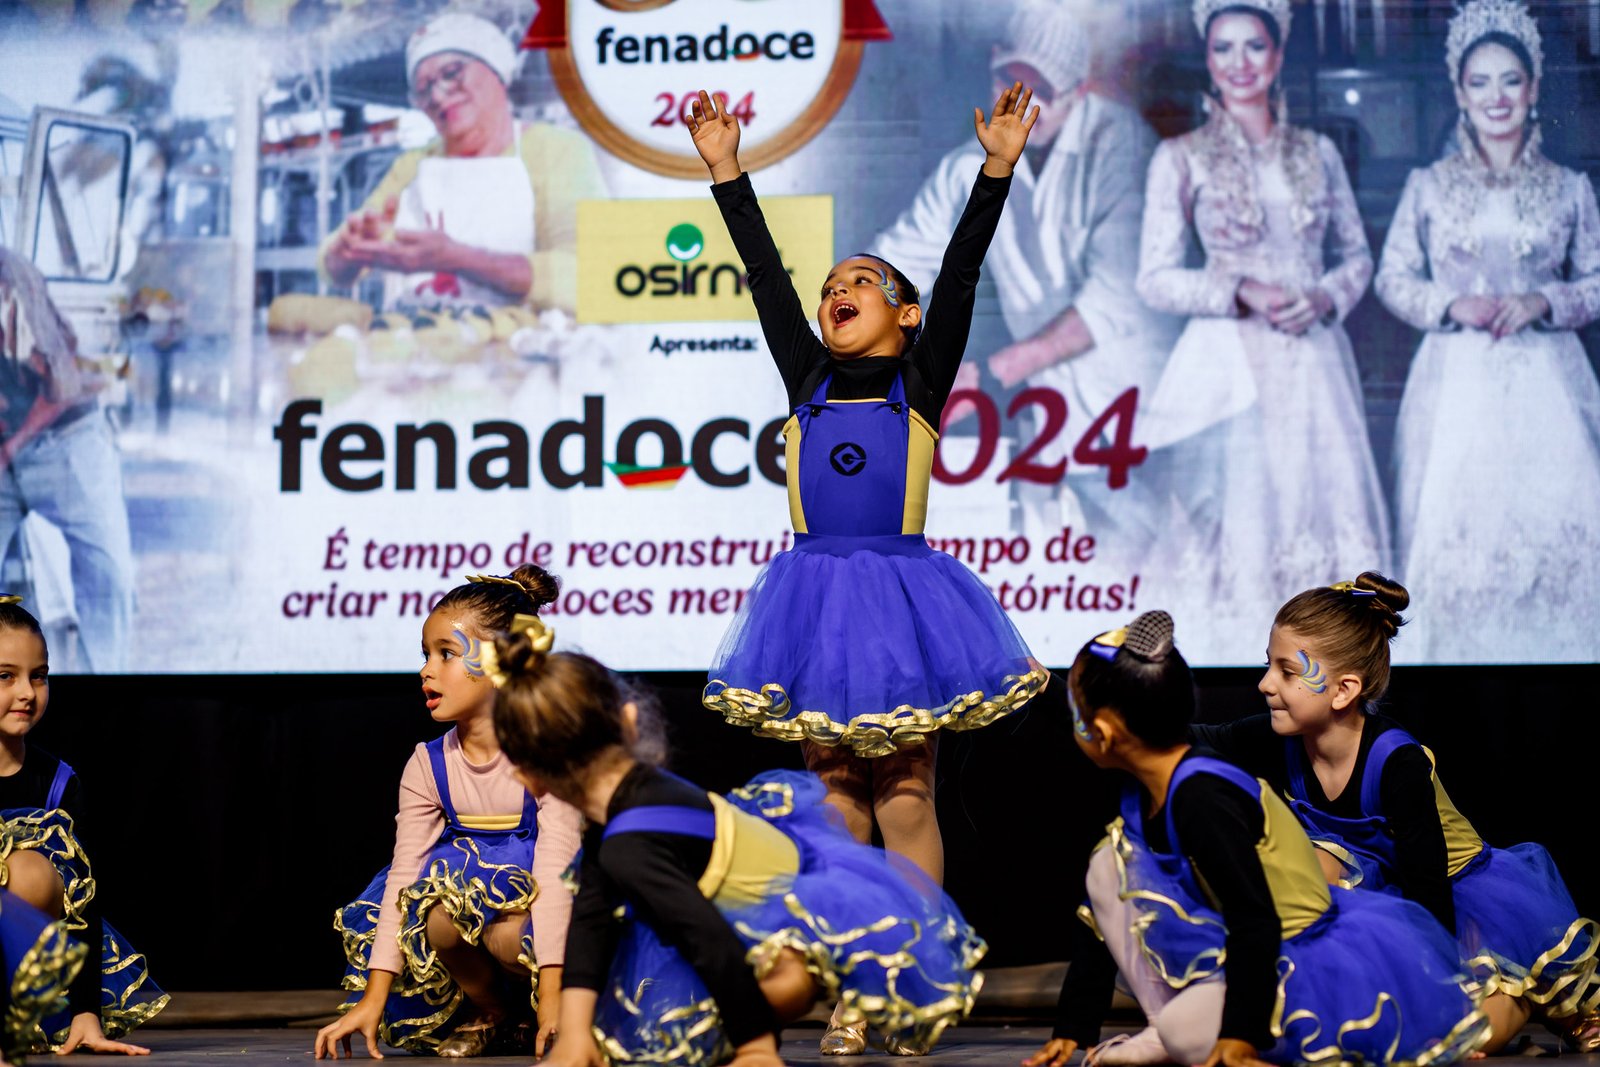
[(843, 313), (430, 698)]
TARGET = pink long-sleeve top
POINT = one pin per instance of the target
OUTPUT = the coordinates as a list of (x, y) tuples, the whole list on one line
[(477, 789)]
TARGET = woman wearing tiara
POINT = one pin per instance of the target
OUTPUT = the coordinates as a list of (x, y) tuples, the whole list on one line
[(1272, 475), (1495, 252)]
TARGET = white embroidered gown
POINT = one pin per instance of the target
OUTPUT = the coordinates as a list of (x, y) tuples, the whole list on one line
[(1498, 442), (1261, 436)]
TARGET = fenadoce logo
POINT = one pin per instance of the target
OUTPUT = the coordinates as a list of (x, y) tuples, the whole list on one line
[(664, 261), (629, 69)]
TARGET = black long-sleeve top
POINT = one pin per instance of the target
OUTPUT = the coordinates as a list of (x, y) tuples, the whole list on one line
[(657, 875), (30, 788), (1219, 827), (1406, 792), (804, 361)]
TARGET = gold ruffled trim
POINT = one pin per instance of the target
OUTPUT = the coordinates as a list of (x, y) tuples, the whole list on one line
[(52, 833), (39, 988), (128, 1012), (1572, 991), (913, 1025), (1463, 1039), (686, 1025), (1204, 964), (467, 902), (1350, 867), (768, 713)]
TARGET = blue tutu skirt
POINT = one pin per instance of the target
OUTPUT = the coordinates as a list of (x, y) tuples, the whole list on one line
[(1541, 949), (880, 940), (1522, 934), (1373, 980), (128, 997), (871, 642), (475, 880), (40, 962)]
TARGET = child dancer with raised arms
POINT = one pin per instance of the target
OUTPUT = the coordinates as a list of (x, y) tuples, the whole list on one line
[(437, 945), (740, 911), (1212, 904), (862, 641), (42, 860), (1367, 793)]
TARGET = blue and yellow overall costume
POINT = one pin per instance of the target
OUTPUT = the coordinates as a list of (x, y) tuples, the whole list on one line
[(1517, 925), (862, 635), (888, 946), (479, 868), (1362, 977), (127, 997), (38, 962)]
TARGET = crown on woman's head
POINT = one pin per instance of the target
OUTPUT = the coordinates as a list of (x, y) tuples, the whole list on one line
[(1277, 10), (1481, 17)]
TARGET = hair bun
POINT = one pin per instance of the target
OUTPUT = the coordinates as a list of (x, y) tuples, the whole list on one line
[(541, 586), (1150, 636), (1389, 598), (518, 655)]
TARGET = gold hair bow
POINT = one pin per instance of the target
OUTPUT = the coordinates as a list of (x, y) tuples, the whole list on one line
[(1105, 646), (10, 598), (540, 637), (492, 579), (1350, 587)]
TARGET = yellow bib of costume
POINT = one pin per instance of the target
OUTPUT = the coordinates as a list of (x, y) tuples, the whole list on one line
[(921, 441), (751, 860), (1289, 861), (1461, 842)]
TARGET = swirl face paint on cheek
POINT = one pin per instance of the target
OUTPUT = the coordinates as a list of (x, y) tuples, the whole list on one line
[(889, 292), (1312, 674), (471, 652)]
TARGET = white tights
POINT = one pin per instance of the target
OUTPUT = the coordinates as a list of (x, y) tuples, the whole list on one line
[(1186, 1021)]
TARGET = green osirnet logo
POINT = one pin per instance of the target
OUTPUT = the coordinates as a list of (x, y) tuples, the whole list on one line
[(685, 241)]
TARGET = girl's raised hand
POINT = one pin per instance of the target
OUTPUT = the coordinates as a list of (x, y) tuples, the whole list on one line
[(716, 137), (1006, 132)]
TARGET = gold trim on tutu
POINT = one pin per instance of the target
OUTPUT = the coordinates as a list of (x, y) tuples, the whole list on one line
[(39, 988), (1464, 1038), (52, 833), (914, 1026), (1573, 992), (768, 713), (466, 901)]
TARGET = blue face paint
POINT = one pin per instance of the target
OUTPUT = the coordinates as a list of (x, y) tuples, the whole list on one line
[(888, 287), (471, 652), (1312, 674)]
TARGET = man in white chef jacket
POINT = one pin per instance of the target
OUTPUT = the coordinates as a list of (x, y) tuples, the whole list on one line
[(1063, 263)]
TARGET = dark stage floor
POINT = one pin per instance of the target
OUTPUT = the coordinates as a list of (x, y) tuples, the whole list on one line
[(965, 1045)]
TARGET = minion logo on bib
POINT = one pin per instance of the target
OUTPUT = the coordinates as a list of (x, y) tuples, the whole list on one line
[(849, 459)]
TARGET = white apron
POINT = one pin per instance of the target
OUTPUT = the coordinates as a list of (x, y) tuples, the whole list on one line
[(485, 203)]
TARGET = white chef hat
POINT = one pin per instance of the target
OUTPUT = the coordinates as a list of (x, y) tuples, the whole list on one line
[(1049, 36), (457, 31)]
